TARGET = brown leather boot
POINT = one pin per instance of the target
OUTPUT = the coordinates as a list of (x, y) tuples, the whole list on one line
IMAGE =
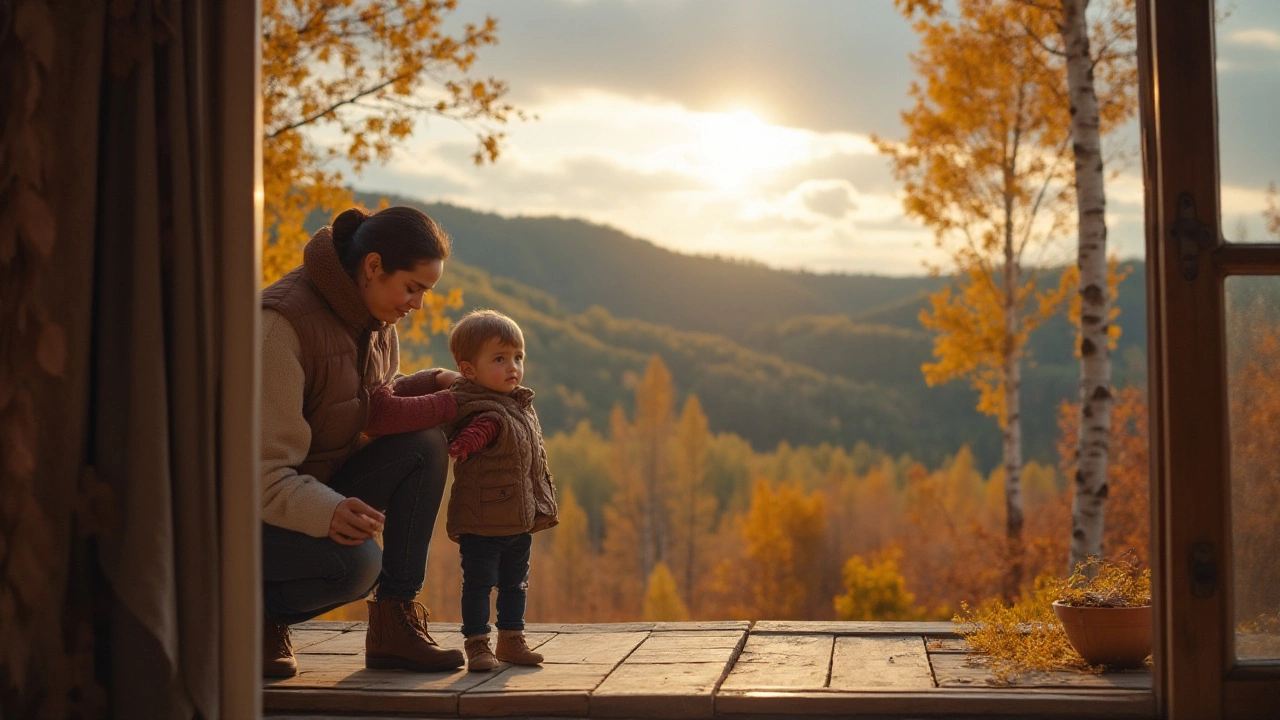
[(479, 657), (277, 651), (398, 640), (513, 649)]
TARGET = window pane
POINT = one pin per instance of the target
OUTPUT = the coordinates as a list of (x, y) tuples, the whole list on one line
[(1248, 62), (1253, 381)]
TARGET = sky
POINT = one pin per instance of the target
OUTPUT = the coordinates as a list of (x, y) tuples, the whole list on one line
[(743, 128)]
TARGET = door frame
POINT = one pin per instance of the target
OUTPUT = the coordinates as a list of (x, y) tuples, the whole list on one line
[(1196, 673)]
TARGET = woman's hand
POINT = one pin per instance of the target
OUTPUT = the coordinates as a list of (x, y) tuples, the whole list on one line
[(446, 378), (354, 522)]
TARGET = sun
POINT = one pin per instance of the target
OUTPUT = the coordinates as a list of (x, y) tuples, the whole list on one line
[(734, 147)]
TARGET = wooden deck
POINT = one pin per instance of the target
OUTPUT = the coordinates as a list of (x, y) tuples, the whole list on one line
[(698, 670)]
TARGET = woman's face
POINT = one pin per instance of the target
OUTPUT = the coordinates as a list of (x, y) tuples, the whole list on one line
[(391, 296)]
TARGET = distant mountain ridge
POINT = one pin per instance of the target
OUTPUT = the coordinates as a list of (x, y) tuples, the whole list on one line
[(772, 354), (584, 264)]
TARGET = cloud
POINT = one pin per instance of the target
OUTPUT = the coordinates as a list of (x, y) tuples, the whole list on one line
[(705, 182), (831, 200), (1256, 37), (823, 65)]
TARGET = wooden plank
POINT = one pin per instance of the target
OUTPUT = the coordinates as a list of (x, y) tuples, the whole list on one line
[(685, 690), (352, 642), (782, 662), (543, 678), (364, 702), (348, 671), (341, 643), (699, 633), (682, 648), (880, 663), (798, 627), (333, 625), (303, 639), (703, 626), (592, 628), (947, 645), (953, 670), (572, 703), (596, 648), (1020, 702)]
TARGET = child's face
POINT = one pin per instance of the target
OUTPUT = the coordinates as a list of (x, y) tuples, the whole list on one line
[(498, 367)]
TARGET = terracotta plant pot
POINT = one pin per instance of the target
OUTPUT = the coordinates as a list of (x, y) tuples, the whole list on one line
[(1115, 637)]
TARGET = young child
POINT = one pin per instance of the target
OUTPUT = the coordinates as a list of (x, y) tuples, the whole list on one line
[(502, 491)]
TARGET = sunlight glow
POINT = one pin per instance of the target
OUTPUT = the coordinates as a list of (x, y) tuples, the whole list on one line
[(734, 146)]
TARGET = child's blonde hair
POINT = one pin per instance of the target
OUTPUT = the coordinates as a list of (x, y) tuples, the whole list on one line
[(478, 327)]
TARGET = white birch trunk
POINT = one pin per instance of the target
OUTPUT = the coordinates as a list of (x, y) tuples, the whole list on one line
[(1012, 419), (1089, 507)]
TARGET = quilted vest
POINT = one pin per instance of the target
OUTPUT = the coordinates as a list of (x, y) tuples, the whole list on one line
[(346, 352), (504, 489)]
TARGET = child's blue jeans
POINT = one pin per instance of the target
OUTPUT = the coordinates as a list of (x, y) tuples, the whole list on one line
[(489, 562)]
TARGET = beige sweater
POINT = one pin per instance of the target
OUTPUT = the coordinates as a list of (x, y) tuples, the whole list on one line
[(289, 500)]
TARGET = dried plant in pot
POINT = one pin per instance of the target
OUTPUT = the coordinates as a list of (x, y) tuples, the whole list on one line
[(1105, 609)]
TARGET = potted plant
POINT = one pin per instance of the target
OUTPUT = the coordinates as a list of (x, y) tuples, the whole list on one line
[(1105, 609)]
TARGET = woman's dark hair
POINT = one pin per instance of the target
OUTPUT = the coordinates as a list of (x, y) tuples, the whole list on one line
[(402, 237)]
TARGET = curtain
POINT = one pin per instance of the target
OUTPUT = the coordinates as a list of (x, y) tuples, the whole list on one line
[(154, 411), (110, 357)]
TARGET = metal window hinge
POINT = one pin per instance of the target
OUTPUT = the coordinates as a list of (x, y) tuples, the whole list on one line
[(1191, 236), (1204, 570)]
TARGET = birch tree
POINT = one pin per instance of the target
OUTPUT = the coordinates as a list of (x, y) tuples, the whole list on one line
[(985, 165), (1110, 65)]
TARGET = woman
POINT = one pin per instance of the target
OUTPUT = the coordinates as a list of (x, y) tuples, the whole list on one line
[(330, 356)]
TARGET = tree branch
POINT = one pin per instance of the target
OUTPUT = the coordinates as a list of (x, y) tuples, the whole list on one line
[(347, 101)]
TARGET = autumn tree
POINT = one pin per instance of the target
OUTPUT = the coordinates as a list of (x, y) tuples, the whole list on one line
[(781, 537), (691, 507), (570, 553), (581, 461), (1254, 404), (985, 166), (874, 589), (661, 598), (1129, 490), (650, 436), (351, 80), (622, 559), (1101, 75)]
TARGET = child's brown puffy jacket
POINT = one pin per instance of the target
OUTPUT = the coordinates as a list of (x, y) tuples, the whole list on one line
[(505, 488)]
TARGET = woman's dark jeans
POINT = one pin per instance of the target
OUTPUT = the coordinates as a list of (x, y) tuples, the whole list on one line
[(489, 562), (401, 475)]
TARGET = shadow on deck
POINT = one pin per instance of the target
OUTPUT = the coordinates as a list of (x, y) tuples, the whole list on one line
[(698, 670)]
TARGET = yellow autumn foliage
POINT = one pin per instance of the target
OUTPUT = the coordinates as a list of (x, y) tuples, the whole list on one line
[(362, 75), (662, 601), (875, 589)]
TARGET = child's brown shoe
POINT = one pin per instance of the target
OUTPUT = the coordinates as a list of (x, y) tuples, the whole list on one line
[(513, 648), (479, 657)]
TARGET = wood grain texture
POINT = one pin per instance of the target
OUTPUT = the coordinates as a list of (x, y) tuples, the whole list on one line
[(880, 663), (782, 662), (795, 627)]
